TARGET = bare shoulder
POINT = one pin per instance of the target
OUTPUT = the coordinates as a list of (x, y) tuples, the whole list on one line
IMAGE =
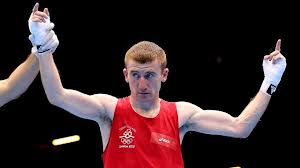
[(108, 102), (4, 97), (3, 86), (185, 110)]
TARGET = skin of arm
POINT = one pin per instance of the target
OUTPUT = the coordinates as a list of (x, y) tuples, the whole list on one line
[(91, 107), (19, 80), (98, 107), (193, 118)]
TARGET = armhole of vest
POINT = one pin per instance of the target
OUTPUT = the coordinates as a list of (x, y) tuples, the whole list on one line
[(173, 105), (176, 114), (109, 139)]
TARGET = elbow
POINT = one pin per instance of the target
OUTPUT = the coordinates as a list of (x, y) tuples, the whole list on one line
[(242, 132), (52, 100), (55, 98), (242, 129), (13, 96)]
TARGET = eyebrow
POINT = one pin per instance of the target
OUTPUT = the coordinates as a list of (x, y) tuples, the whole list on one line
[(148, 71), (133, 71), (136, 66)]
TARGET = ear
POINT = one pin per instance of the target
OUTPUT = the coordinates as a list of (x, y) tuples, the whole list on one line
[(164, 75), (125, 72)]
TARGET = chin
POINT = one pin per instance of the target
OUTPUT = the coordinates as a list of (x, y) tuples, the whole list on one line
[(146, 97)]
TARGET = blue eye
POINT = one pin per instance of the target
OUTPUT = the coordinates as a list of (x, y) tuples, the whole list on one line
[(135, 75), (149, 75)]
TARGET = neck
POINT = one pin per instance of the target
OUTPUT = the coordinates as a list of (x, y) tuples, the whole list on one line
[(146, 108)]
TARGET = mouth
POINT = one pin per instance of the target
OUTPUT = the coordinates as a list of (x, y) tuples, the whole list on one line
[(143, 93)]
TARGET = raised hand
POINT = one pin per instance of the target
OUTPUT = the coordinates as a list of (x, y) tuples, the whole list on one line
[(39, 25), (42, 37), (274, 66)]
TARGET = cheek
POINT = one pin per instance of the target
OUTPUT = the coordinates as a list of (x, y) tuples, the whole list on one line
[(132, 83), (156, 84)]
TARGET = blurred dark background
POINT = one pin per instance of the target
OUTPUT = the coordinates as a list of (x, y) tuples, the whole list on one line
[(214, 52)]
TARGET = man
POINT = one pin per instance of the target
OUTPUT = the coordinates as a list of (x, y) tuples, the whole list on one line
[(143, 130), (21, 78)]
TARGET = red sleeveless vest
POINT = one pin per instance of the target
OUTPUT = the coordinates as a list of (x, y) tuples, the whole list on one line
[(139, 142)]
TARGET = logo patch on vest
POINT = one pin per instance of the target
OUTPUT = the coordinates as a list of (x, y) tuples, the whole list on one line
[(126, 137), (163, 140)]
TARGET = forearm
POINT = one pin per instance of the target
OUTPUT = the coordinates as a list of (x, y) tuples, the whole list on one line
[(22, 77), (50, 77), (251, 115), (274, 66)]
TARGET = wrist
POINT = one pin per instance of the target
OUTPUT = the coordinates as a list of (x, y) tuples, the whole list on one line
[(37, 51), (267, 87)]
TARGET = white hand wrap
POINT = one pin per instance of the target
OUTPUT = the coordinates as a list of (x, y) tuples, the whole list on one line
[(39, 30), (51, 43), (273, 73)]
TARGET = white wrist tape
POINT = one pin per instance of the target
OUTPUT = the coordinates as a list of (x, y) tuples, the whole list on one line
[(50, 45), (268, 87), (273, 72)]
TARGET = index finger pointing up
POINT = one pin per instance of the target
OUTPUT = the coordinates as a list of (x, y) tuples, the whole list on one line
[(278, 45), (35, 8)]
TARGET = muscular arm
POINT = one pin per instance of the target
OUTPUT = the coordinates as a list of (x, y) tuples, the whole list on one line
[(193, 118), (77, 103), (220, 123), (19, 80)]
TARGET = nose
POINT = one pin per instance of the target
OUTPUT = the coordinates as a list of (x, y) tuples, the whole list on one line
[(142, 84)]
